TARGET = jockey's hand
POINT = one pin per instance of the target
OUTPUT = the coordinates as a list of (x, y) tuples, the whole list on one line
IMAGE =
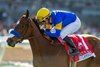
[(52, 42), (48, 38)]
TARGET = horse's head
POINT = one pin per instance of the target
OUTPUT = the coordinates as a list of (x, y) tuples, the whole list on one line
[(22, 30)]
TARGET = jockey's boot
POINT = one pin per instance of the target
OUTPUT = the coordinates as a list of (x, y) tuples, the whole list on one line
[(71, 45)]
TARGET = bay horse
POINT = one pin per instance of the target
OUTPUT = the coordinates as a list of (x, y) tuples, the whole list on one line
[(45, 54)]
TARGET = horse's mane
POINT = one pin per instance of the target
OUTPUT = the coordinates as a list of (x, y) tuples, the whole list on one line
[(41, 30), (37, 24)]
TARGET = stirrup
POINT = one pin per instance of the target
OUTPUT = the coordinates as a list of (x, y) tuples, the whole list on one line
[(75, 52)]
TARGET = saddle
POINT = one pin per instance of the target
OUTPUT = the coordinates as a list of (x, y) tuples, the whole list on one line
[(85, 49)]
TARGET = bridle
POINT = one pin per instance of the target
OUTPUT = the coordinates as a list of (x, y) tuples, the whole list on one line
[(31, 24), (22, 34)]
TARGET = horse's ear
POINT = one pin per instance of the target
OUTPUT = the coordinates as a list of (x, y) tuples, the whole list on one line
[(27, 13)]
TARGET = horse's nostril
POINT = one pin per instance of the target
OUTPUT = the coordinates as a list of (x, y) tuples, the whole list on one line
[(10, 42)]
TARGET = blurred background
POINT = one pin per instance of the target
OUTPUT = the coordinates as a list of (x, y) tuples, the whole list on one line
[(11, 10)]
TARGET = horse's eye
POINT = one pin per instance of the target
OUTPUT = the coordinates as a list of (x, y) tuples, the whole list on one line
[(22, 26)]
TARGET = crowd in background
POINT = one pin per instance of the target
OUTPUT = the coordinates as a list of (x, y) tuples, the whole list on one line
[(87, 10)]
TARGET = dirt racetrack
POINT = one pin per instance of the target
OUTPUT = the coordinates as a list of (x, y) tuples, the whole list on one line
[(18, 54)]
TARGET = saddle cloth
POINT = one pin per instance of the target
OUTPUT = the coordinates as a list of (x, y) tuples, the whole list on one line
[(82, 45)]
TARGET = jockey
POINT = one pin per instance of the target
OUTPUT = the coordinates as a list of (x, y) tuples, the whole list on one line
[(59, 23)]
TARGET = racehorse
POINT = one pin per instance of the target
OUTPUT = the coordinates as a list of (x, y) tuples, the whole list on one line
[(45, 54)]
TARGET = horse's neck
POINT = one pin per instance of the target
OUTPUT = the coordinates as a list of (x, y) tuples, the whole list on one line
[(43, 52), (42, 46), (38, 42), (46, 55)]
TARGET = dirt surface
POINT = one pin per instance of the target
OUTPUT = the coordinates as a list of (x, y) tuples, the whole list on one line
[(18, 54)]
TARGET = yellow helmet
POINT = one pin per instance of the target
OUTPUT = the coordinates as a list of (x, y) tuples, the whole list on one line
[(42, 14)]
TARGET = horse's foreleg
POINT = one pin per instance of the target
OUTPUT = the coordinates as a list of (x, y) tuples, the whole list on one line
[(70, 63), (74, 64)]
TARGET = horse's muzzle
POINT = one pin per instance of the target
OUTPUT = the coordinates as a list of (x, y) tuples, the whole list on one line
[(10, 42)]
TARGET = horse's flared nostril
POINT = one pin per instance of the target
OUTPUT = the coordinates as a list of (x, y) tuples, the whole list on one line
[(10, 42)]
